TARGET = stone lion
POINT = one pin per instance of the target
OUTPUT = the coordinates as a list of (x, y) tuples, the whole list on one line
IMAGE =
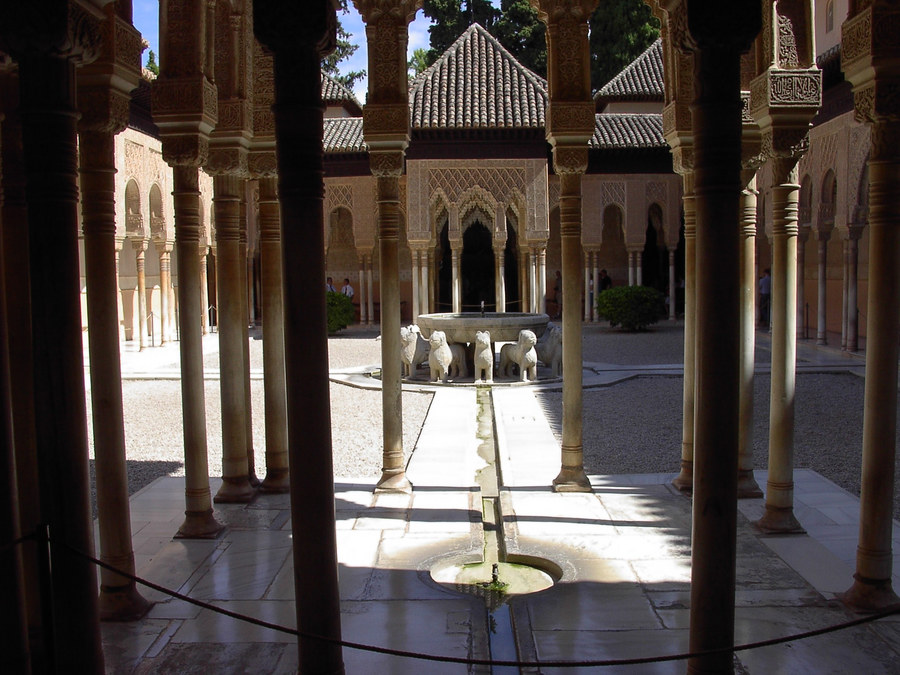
[(522, 354), (549, 349), (413, 349), (446, 360), (484, 357)]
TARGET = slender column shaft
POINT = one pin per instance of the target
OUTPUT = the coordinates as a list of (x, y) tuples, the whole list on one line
[(119, 597), (245, 266), (235, 485), (532, 274), (199, 520), (821, 331), (596, 273), (425, 306), (685, 479), (165, 280), (371, 290), (853, 293), (801, 282), (639, 267), (587, 286), (47, 86), (571, 476), (872, 587), (140, 246), (747, 485), (14, 232), (277, 472), (363, 291), (204, 292), (501, 276), (717, 143), (432, 281), (542, 276), (631, 275), (779, 514), (13, 620), (845, 293), (298, 128), (416, 274), (457, 289), (393, 471), (671, 284)]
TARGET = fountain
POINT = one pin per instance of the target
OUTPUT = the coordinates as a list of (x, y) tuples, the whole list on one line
[(503, 326)]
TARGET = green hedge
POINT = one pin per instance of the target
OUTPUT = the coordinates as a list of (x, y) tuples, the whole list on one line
[(341, 311), (633, 308)]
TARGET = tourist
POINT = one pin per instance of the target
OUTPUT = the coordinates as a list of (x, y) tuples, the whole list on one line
[(347, 289), (329, 285)]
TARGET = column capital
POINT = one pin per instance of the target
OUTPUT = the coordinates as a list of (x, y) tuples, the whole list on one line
[(64, 29), (870, 59)]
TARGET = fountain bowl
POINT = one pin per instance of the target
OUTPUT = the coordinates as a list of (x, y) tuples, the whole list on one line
[(503, 326)]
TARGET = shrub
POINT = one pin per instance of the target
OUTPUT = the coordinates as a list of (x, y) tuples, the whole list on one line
[(341, 311), (632, 307)]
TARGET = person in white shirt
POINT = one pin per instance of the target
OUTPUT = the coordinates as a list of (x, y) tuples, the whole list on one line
[(329, 286), (347, 289)]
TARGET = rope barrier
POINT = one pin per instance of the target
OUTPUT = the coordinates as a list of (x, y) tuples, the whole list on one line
[(462, 660)]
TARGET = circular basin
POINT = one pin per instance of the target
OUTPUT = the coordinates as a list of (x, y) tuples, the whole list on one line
[(495, 583), (503, 326)]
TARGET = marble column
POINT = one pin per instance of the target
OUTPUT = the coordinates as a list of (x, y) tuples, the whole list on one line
[(541, 290), (716, 114), (672, 295), (49, 117), (298, 37), (531, 282), (802, 237), (747, 487), (587, 287), (639, 266), (416, 274), (119, 596), (245, 297), (425, 285), (235, 484), (853, 289), (684, 481), (363, 291), (199, 521), (140, 247), (595, 271), (164, 249), (631, 273), (277, 471), (455, 281), (371, 289), (845, 291), (872, 587), (204, 291), (779, 513), (821, 330)]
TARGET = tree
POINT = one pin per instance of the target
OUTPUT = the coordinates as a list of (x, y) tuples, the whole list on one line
[(450, 19), (343, 50), (152, 66), (620, 31), (418, 62), (523, 34)]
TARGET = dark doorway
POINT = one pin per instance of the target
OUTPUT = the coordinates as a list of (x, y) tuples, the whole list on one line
[(511, 271), (477, 269), (655, 258)]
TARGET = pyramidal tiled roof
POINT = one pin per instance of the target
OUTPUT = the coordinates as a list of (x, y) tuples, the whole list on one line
[(335, 93), (343, 135), (615, 131), (641, 80), (477, 83)]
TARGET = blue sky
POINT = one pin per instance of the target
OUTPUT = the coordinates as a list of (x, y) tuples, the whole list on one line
[(146, 20)]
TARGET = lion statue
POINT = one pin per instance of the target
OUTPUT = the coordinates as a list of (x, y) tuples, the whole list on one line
[(413, 349), (549, 349), (446, 360), (522, 354), (483, 357)]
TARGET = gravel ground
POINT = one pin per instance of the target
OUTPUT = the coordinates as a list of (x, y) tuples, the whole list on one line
[(632, 427), (635, 426)]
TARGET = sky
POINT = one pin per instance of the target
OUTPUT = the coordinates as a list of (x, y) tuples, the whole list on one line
[(146, 20)]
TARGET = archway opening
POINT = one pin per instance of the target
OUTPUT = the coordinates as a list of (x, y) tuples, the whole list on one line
[(655, 259), (477, 269), (511, 268)]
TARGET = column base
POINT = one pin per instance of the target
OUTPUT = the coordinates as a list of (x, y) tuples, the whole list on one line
[(235, 491), (684, 481), (747, 487), (779, 520), (572, 480), (199, 525), (122, 603), (394, 481), (277, 481), (869, 595)]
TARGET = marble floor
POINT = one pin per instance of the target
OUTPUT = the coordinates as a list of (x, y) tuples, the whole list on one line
[(620, 557)]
